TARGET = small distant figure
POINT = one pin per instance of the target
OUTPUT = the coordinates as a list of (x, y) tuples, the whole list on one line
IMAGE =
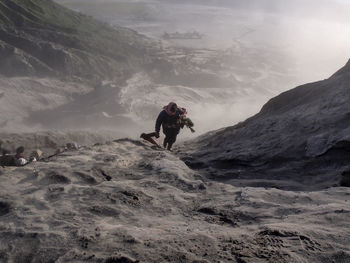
[(20, 158), (170, 119)]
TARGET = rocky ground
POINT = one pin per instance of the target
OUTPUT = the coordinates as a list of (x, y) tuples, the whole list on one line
[(124, 201)]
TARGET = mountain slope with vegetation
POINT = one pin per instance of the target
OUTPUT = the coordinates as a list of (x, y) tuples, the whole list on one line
[(42, 38)]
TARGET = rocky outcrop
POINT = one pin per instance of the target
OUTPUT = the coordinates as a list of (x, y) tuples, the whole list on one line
[(301, 135)]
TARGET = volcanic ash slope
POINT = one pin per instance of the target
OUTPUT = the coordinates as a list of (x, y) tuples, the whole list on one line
[(127, 202), (299, 140), (41, 38)]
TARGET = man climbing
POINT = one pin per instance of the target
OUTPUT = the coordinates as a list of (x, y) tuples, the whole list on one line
[(170, 119)]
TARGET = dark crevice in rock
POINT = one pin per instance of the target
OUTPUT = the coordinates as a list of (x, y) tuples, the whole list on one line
[(4, 208), (345, 179), (121, 259)]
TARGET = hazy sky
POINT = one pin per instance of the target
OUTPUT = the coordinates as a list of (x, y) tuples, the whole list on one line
[(315, 33)]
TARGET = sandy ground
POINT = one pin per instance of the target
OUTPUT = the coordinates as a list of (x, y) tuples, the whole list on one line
[(125, 201)]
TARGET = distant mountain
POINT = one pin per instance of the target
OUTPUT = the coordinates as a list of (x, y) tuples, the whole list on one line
[(301, 136), (42, 38)]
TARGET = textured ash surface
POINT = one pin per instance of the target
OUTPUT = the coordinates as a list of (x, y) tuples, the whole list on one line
[(299, 140), (127, 202)]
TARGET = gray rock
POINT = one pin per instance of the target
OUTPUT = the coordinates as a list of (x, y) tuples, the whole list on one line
[(301, 135)]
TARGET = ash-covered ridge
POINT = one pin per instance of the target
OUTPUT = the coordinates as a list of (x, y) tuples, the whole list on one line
[(301, 136), (42, 38)]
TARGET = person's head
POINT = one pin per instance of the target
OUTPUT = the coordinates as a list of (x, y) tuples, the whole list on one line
[(173, 107), (20, 150)]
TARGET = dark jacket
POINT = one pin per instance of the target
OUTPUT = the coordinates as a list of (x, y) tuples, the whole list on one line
[(168, 121), (8, 160)]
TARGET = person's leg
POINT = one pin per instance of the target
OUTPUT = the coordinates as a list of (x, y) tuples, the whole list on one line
[(166, 138), (171, 139), (165, 142)]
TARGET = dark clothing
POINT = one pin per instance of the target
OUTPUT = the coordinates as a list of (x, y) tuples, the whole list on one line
[(20, 155), (8, 160), (171, 126), (170, 137), (168, 121)]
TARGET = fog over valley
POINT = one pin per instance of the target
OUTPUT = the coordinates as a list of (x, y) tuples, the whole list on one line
[(254, 49)]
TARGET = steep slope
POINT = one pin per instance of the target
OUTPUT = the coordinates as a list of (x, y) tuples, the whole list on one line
[(126, 202), (302, 135), (40, 37)]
